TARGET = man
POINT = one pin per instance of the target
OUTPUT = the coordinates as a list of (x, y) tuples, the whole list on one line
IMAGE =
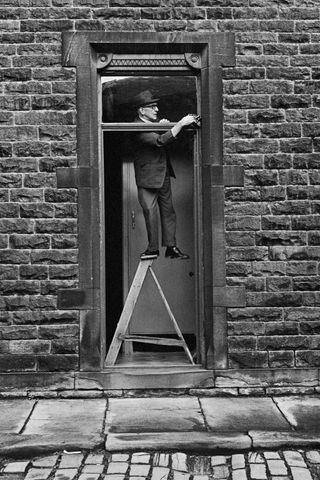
[(153, 171)]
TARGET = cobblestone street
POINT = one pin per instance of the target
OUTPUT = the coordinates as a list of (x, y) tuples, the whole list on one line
[(266, 465)]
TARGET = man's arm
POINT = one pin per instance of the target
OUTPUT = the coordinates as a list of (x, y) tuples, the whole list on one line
[(184, 122), (155, 139), (160, 140)]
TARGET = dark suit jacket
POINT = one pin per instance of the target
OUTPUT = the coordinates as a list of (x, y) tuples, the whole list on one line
[(151, 158)]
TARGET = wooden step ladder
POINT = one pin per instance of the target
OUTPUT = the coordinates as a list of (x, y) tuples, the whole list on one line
[(121, 335)]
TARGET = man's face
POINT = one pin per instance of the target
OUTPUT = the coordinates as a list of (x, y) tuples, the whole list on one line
[(150, 112)]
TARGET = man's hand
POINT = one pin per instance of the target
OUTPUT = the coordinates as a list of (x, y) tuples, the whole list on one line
[(164, 120), (190, 119)]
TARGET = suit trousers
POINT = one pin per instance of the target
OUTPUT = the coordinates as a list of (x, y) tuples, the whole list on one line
[(150, 199)]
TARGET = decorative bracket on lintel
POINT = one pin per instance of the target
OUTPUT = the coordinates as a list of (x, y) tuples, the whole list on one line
[(226, 175), (74, 177)]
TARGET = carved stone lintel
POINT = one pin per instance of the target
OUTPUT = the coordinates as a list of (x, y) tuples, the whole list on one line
[(120, 62)]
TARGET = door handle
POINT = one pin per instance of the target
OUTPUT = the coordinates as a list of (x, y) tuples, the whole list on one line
[(133, 219)]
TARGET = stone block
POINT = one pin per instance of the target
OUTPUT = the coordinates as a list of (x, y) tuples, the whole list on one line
[(276, 130), (276, 223), (44, 118), (258, 471), (94, 459), (53, 102), (266, 116), (248, 359), (38, 473), (50, 257), (290, 101), (276, 284), (161, 459), (239, 475), (237, 461), (243, 223), (16, 164), (57, 363), (35, 380), (14, 415), (33, 272), (155, 414), (45, 462), (29, 347), (265, 378), (116, 467), (246, 253), (299, 473), (277, 467), (23, 195), (201, 442), (301, 268), (66, 210), (60, 195), (15, 467), (221, 416), (56, 226), (82, 416), (65, 346), (31, 210), (89, 476), (272, 193), (274, 299), (17, 225), (53, 287), (9, 272), (140, 458), (308, 358), (31, 149), (61, 241), (281, 359), (29, 241), (313, 456), (72, 460), (65, 473), (140, 470), (18, 332), (9, 210)]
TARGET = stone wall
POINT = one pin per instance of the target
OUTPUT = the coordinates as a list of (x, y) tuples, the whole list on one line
[(272, 127)]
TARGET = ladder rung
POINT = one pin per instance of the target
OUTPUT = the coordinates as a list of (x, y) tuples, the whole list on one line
[(153, 340)]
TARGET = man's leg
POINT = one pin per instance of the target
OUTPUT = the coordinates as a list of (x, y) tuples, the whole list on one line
[(167, 214), (148, 201), (168, 221)]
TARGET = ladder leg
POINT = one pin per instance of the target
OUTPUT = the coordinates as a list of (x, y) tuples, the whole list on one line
[(127, 311), (175, 324)]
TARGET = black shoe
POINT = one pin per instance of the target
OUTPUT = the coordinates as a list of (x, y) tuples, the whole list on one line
[(174, 252), (149, 254)]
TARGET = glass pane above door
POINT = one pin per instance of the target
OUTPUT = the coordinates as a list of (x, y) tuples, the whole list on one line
[(177, 96)]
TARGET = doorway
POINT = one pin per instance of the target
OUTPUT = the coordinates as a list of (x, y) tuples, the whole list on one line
[(126, 237)]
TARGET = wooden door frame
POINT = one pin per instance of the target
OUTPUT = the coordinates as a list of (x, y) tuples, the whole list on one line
[(89, 52)]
